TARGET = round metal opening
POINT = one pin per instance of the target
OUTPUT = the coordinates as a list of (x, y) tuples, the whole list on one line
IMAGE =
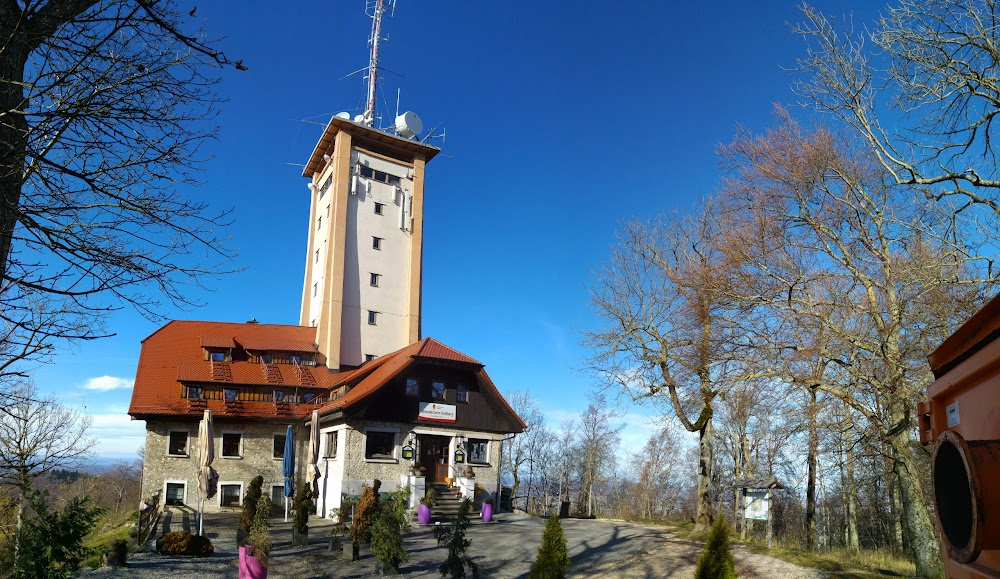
[(953, 495)]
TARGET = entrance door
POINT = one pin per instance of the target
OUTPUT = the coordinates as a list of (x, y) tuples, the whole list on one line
[(434, 456)]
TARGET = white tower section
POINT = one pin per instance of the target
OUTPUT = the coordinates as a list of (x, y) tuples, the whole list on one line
[(363, 263)]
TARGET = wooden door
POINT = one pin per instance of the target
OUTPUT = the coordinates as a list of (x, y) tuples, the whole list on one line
[(434, 456), (441, 456)]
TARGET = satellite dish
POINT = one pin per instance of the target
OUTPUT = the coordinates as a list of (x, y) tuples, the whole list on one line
[(359, 118), (344, 115), (409, 124)]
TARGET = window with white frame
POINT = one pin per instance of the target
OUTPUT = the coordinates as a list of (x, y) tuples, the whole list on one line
[(331, 444), (177, 443), (479, 451), (380, 445), (175, 492), (230, 494), (232, 445), (278, 496)]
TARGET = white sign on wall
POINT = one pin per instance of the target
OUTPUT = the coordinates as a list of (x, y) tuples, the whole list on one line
[(438, 412), (756, 505)]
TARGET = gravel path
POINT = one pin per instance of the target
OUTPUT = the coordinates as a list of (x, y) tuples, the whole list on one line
[(504, 550)]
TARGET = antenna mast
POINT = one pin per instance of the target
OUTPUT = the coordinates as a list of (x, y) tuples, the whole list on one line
[(373, 41)]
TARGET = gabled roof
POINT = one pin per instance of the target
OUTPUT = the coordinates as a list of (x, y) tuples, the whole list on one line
[(371, 377)]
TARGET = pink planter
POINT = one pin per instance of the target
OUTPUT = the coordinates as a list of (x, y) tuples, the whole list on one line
[(487, 512), (243, 561), (254, 569), (423, 514)]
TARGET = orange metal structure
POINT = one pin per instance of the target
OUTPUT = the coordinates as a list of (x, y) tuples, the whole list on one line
[(961, 418)]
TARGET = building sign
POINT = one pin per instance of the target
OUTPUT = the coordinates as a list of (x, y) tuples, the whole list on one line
[(756, 505), (438, 412)]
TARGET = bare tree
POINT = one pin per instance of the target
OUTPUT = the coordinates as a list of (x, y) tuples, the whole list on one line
[(931, 60), (103, 106), (670, 326), (898, 274), (518, 451), (598, 445), (37, 436)]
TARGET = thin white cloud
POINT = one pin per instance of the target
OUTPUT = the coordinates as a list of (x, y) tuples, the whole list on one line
[(106, 383), (117, 434)]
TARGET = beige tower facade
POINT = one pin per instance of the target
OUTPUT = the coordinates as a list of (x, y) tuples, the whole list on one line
[(363, 260)]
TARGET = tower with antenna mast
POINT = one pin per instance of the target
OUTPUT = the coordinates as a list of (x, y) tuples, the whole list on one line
[(363, 271)]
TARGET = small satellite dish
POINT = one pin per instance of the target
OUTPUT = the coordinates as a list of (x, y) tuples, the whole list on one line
[(409, 124), (344, 115), (359, 118)]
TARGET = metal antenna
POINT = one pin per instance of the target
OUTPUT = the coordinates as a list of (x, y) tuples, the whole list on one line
[(369, 116)]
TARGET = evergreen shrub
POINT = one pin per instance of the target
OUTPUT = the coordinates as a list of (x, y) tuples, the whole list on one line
[(552, 560), (715, 561)]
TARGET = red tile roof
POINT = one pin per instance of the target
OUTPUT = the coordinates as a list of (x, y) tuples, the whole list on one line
[(173, 356)]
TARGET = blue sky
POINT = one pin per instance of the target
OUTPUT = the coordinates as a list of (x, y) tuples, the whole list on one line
[(562, 119)]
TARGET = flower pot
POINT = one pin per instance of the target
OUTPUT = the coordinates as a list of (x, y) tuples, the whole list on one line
[(243, 561), (300, 539), (423, 514), (254, 569), (384, 569), (487, 512)]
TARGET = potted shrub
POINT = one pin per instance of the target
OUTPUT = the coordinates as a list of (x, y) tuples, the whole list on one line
[(364, 512), (259, 543), (387, 532), (469, 471), (487, 510), (303, 505), (249, 509), (117, 553), (424, 508), (421, 469)]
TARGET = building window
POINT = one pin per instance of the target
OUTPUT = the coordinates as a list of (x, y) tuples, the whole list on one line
[(380, 445), (317, 256), (178, 444), (412, 387), (319, 222), (279, 395), (380, 176), (315, 289), (266, 358), (278, 496), (232, 445), (372, 318), (369, 357), (295, 359), (194, 392), (374, 279), (307, 398), (479, 451), (379, 207), (376, 243), (175, 493), (217, 356), (331, 444), (230, 393), (229, 494), (461, 393), (328, 210), (437, 390), (279, 446)]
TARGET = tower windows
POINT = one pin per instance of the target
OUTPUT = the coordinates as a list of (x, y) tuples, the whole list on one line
[(315, 289), (317, 256), (374, 279), (369, 357), (319, 222), (379, 208), (376, 243), (372, 318)]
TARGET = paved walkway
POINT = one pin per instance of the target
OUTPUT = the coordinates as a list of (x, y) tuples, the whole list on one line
[(504, 549)]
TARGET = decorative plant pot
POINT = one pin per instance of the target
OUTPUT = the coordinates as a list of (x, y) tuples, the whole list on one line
[(384, 569), (243, 561), (487, 512), (348, 551), (300, 539), (423, 514), (254, 569)]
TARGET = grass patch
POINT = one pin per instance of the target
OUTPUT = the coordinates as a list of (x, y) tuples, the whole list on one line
[(109, 529), (847, 564)]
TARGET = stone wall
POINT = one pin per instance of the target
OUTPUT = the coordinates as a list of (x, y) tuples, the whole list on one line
[(256, 458)]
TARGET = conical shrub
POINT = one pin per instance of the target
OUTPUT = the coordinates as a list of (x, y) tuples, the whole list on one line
[(715, 561), (552, 561)]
